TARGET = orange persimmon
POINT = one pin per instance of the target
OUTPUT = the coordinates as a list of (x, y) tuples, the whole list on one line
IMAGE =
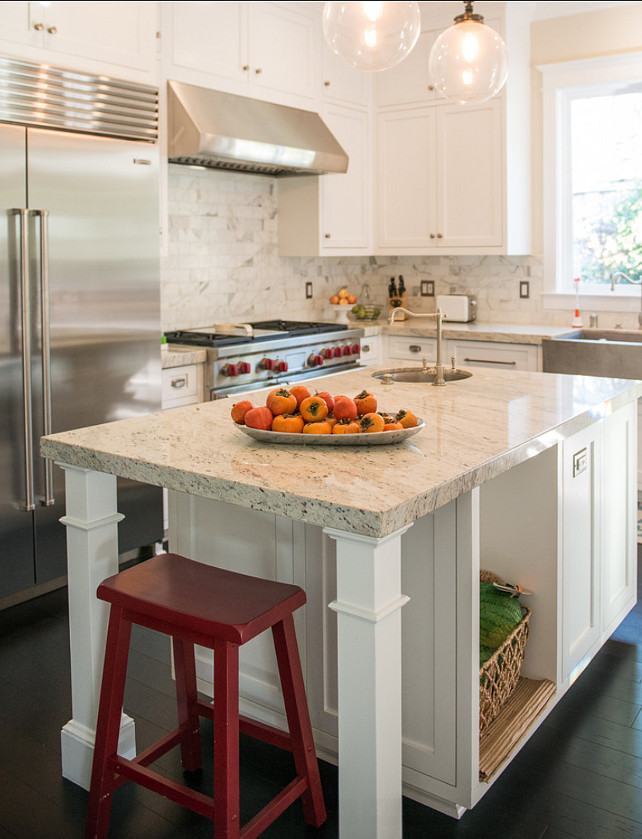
[(327, 398), (344, 408), (281, 401), (372, 422), (288, 423), (366, 402), (239, 410), (346, 426), (393, 426), (317, 427), (313, 409), (300, 392), (260, 417), (407, 418)]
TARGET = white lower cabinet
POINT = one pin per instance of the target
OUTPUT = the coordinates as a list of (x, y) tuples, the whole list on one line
[(560, 523), (372, 349), (412, 349), (182, 385), (493, 354)]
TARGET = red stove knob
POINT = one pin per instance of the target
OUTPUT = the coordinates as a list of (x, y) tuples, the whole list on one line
[(267, 364), (230, 370), (282, 366), (346, 350), (356, 349), (245, 367), (328, 354), (315, 360), (337, 352)]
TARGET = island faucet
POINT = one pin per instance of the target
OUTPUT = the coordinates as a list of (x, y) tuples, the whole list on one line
[(615, 276), (438, 316)]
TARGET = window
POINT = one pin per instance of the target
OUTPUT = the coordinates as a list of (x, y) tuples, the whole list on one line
[(593, 174)]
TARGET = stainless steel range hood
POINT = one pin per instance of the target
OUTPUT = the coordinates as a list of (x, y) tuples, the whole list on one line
[(224, 131)]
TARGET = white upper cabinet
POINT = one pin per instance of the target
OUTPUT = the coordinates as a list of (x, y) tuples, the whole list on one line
[(342, 83), (408, 83), (103, 35), (454, 179), (325, 215), (264, 50)]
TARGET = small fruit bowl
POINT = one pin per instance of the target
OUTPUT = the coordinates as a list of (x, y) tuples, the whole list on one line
[(363, 312)]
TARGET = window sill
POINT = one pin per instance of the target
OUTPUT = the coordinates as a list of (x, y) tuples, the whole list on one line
[(607, 302)]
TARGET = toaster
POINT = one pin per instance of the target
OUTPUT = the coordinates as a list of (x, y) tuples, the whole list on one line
[(458, 308)]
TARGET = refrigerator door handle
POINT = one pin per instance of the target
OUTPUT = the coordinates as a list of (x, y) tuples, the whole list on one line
[(43, 264), (25, 310)]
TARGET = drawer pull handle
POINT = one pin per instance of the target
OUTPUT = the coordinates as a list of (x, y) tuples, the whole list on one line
[(178, 383), (414, 348), (490, 361), (365, 348)]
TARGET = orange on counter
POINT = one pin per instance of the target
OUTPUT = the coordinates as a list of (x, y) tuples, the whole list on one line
[(281, 401), (313, 409)]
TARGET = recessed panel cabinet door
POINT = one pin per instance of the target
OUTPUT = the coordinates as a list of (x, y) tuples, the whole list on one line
[(211, 38), (406, 178), (581, 548), (469, 194), (345, 206)]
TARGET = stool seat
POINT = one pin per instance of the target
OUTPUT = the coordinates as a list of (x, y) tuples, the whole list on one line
[(210, 601), (195, 603)]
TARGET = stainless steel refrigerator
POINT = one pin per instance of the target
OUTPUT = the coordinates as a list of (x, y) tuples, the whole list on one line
[(79, 323)]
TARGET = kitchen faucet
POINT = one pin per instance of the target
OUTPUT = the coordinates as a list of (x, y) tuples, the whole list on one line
[(633, 282), (438, 316)]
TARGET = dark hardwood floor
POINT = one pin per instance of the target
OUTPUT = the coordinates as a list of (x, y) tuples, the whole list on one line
[(579, 776)]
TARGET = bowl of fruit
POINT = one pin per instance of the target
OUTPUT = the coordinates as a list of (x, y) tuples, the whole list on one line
[(341, 303)]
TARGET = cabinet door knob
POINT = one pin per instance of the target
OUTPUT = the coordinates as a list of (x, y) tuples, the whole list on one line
[(440, 235), (245, 67), (431, 87), (326, 84), (432, 235), (52, 30), (258, 71), (38, 27), (328, 235)]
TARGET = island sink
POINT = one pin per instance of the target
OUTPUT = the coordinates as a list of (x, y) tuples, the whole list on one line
[(419, 375)]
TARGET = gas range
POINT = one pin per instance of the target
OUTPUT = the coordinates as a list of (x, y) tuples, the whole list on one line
[(248, 356)]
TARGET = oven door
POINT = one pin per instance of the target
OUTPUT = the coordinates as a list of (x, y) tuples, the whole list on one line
[(285, 380)]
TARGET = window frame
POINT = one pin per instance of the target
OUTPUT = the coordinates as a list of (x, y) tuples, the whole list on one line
[(561, 83)]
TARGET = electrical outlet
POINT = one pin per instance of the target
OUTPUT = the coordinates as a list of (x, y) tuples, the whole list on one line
[(427, 288), (524, 289), (308, 291)]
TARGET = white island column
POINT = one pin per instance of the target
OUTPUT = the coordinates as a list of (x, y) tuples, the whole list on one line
[(368, 606), (92, 555)]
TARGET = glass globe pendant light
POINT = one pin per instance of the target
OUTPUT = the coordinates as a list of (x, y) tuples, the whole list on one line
[(468, 62), (371, 36)]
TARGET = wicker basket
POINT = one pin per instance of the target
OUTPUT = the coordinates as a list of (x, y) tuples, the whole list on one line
[(499, 675)]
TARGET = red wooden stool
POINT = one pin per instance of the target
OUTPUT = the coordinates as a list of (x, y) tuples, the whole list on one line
[(198, 604)]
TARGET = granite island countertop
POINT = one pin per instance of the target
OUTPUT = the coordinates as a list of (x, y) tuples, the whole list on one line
[(476, 428)]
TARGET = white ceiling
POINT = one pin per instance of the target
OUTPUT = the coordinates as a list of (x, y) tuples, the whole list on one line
[(550, 8)]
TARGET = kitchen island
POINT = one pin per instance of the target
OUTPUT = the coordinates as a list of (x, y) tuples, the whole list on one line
[(527, 475)]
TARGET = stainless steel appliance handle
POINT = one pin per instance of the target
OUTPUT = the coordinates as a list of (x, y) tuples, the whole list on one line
[(43, 265), (26, 358)]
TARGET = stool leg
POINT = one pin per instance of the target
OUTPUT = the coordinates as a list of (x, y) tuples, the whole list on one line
[(108, 724), (186, 698), (296, 707), (226, 741)]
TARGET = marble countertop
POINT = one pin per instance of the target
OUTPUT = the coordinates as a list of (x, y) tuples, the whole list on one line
[(476, 428), (475, 331), (178, 356)]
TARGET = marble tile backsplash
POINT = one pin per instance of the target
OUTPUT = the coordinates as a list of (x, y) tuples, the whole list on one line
[(223, 264)]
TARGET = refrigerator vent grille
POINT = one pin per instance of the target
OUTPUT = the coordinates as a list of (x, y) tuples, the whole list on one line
[(48, 97)]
